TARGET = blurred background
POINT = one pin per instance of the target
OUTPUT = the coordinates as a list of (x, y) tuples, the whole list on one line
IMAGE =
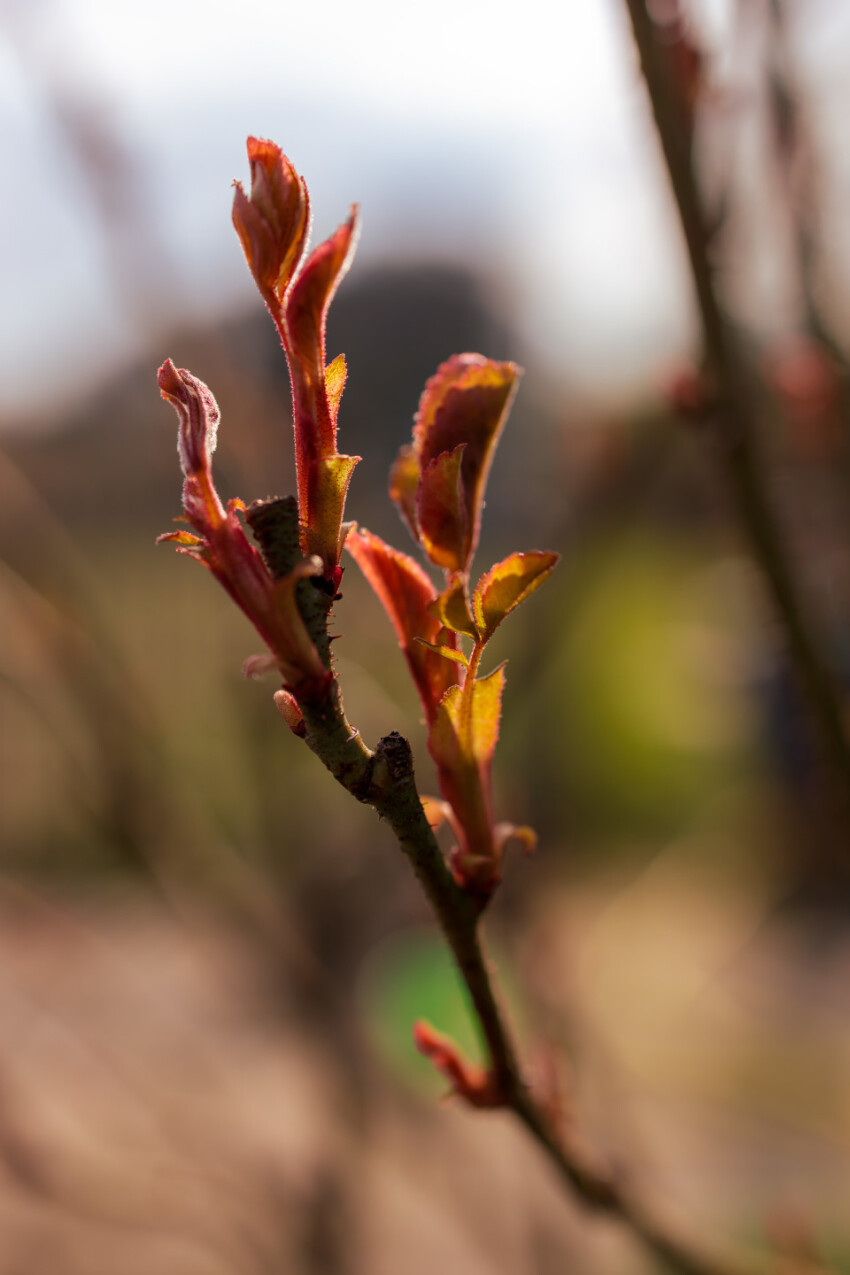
[(211, 958)]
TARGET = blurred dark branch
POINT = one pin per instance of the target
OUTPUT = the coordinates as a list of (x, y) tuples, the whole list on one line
[(737, 403), (797, 159), (384, 779)]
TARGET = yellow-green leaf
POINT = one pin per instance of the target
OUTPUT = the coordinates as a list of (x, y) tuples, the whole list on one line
[(448, 651), (335, 374), (467, 724), (451, 608), (508, 584), (328, 486)]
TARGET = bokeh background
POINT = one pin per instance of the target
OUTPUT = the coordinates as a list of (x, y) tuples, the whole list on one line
[(211, 959)]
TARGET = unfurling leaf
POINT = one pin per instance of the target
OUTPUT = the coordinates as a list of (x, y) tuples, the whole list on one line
[(508, 584), (273, 222), (407, 594), (465, 402), (222, 545), (305, 317), (198, 415), (326, 491)]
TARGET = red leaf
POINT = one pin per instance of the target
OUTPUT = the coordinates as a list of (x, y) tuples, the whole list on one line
[(441, 510), (273, 222), (406, 594), (224, 547), (404, 483), (305, 317), (466, 401), (316, 391)]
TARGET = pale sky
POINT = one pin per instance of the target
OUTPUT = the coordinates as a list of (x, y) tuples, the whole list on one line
[(513, 134)]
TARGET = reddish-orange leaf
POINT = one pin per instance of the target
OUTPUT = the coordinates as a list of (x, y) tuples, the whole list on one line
[(406, 594), (306, 313), (272, 223), (466, 401), (184, 538), (441, 510), (508, 584), (404, 484)]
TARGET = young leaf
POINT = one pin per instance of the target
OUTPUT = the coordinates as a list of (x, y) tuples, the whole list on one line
[(327, 488), (441, 510), (508, 584), (466, 401), (335, 374), (305, 316), (467, 725), (404, 483), (273, 222), (448, 652), (198, 417), (407, 594), (451, 608), (462, 741)]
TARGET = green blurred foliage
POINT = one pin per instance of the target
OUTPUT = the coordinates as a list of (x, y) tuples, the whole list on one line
[(647, 688)]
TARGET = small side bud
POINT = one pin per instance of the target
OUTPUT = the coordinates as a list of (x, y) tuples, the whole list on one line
[(469, 1081), (287, 706)]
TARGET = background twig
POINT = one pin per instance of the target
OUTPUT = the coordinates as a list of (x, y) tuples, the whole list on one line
[(732, 384)]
